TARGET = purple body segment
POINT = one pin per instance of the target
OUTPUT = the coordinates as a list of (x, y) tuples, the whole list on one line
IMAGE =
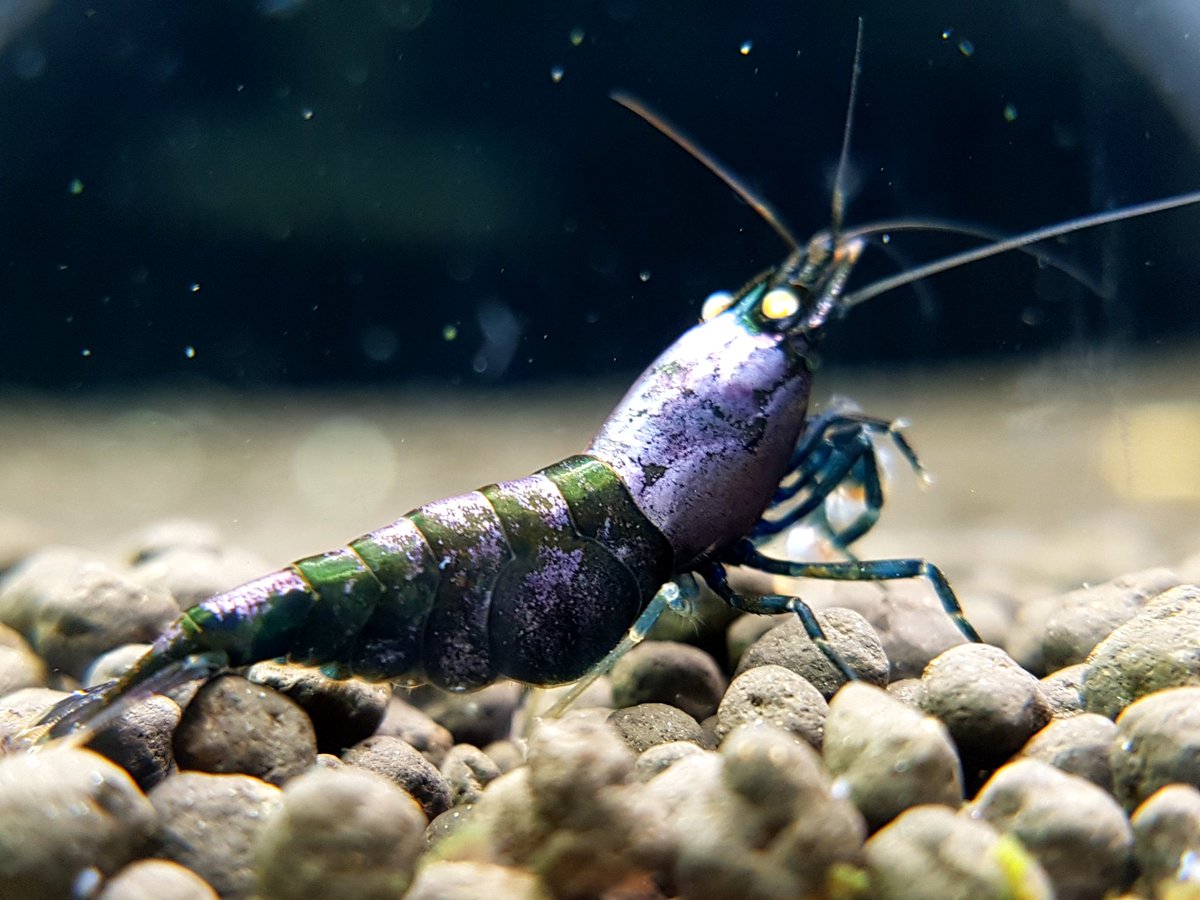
[(391, 644), (563, 600), (705, 435), (468, 546)]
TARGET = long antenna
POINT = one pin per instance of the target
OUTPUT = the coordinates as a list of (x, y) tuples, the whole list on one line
[(759, 205), (1014, 243), (839, 180)]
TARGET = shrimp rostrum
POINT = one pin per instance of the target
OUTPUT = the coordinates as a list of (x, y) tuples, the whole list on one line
[(548, 578)]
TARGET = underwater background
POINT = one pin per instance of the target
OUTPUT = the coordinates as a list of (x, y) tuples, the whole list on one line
[(296, 267)]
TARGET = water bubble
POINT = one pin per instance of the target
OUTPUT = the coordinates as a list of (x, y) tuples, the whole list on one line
[(85, 352), (644, 275), (75, 187), (1010, 113), (378, 343), (576, 36), (557, 73), (189, 351), (306, 114), (746, 47), (194, 287), (966, 48), (449, 332)]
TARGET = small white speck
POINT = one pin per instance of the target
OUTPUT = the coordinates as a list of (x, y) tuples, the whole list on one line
[(189, 351), (194, 287), (85, 352), (557, 73), (306, 114), (746, 47)]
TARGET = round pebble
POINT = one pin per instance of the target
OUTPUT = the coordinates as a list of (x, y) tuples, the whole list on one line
[(747, 629), (340, 833), (165, 535), (1075, 830), (472, 880), (907, 690), (113, 663), (211, 824), (19, 711), (1063, 691), (889, 755), (788, 645), (159, 879), (235, 726), (1155, 649), (1157, 743), (990, 704), (467, 770), (417, 729), (20, 667), (766, 826), (478, 717), (507, 755), (647, 724), (930, 851), (64, 812), (1081, 619), (660, 757), (401, 764), (1079, 745), (776, 696), (193, 574), (664, 672), (71, 608), (139, 740), (343, 711), (1166, 838), (573, 814), (910, 624)]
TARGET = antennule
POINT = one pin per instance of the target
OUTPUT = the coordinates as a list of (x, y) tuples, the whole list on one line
[(756, 203), (1014, 243), (839, 179)]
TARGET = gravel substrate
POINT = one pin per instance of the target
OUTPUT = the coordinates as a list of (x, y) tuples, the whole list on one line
[(1061, 761)]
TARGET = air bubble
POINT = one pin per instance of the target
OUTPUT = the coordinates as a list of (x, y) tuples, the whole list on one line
[(746, 47), (576, 36), (557, 73), (189, 351)]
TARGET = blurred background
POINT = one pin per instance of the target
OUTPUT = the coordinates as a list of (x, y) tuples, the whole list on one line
[(295, 266)]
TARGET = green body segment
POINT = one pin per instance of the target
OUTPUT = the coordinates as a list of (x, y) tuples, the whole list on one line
[(534, 579)]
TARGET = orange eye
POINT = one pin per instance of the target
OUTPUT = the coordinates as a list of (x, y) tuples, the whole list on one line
[(780, 304)]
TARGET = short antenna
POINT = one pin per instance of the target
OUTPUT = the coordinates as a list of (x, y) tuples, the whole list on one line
[(756, 203), (839, 179)]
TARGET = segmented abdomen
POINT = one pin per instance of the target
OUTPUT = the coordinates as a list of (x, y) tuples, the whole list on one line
[(534, 579)]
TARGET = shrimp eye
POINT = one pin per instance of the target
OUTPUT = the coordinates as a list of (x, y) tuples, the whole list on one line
[(780, 303), (716, 304)]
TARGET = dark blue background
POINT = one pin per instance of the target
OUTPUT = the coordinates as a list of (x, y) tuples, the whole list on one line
[(344, 180)]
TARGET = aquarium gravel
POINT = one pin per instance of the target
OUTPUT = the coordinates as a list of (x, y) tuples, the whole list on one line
[(1058, 759)]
